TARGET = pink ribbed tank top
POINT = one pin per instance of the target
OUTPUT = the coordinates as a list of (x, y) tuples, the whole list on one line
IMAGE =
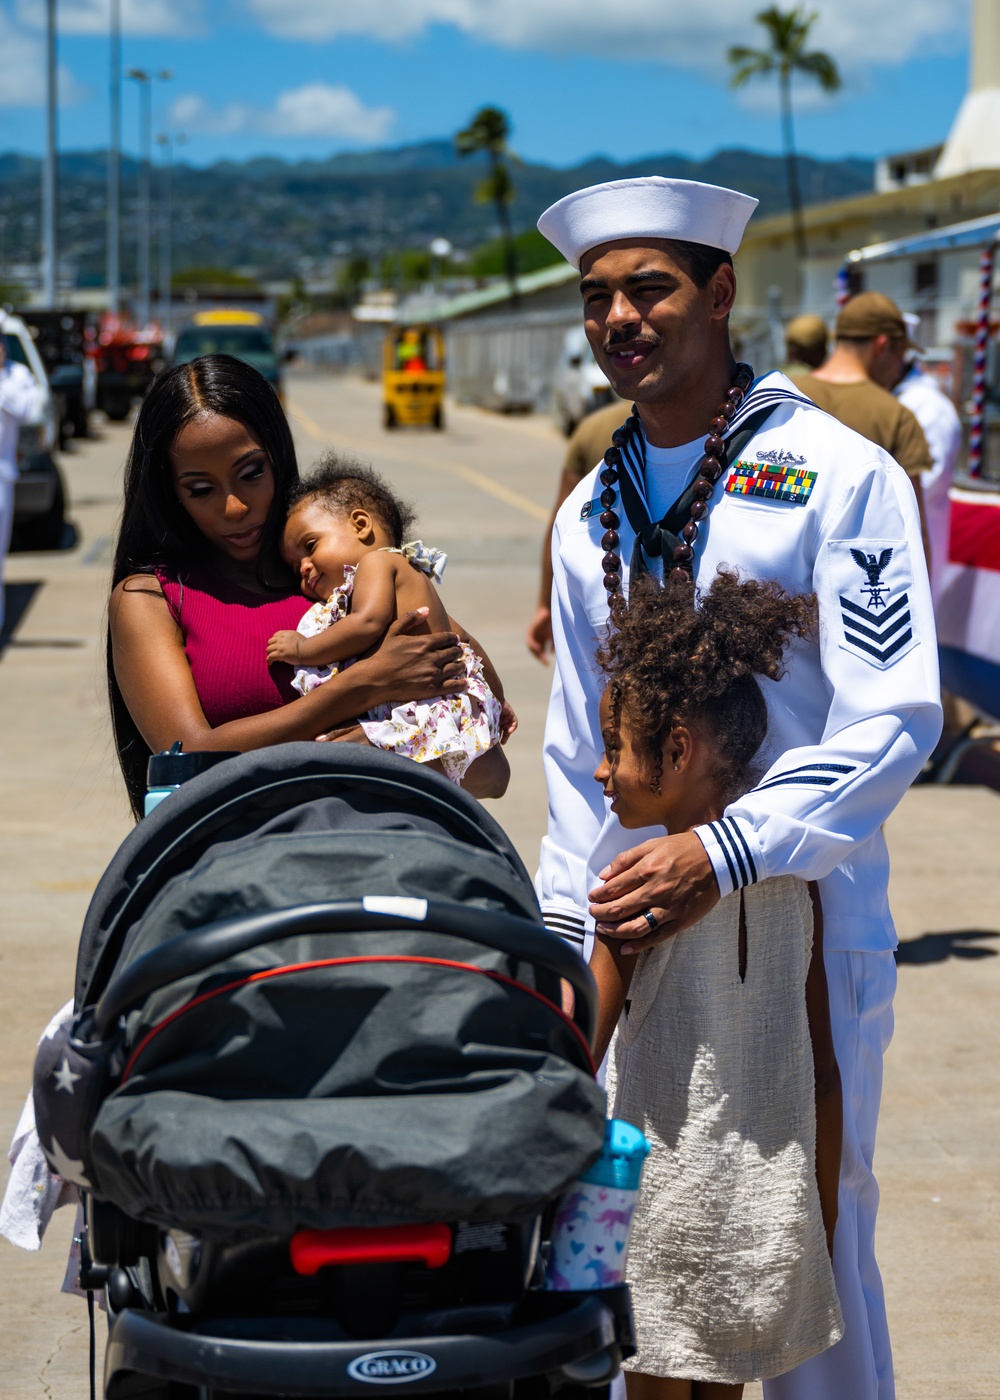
[(226, 630)]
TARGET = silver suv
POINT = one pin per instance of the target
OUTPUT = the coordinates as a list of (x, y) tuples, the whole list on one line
[(39, 498)]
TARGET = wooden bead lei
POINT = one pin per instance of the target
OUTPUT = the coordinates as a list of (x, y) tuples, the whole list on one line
[(710, 468)]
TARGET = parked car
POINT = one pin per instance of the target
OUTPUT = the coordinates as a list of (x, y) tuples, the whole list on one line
[(581, 385), (126, 359), (63, 339), (39, 497), (231, 331)]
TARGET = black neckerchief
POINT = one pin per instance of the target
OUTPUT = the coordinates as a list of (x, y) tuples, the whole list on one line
[(657, 539)]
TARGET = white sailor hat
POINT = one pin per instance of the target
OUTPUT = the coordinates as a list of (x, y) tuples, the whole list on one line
[(650, 207)]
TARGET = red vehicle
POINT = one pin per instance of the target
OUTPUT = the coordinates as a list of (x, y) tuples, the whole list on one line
[(127, 358)]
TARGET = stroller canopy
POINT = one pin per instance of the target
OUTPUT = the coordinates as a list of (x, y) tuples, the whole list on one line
[(333, 1003), (348, 797)]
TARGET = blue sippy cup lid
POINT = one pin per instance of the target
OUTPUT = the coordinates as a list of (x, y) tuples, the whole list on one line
[(622, 1157)]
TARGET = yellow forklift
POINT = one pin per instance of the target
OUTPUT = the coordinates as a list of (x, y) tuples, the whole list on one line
[(413, 377)]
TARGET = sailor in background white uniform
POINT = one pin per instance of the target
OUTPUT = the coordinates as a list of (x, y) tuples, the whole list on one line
[(938, 417), (19, 400), (820, 509)]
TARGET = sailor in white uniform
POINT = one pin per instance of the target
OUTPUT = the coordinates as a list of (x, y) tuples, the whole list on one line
[(19, 400), (937, 415), (800, 499)]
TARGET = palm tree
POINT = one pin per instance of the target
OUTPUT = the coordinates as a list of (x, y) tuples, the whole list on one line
[(488, 131), (787, 32)]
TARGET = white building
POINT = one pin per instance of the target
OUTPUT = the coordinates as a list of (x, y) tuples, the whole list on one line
[(923, 262)]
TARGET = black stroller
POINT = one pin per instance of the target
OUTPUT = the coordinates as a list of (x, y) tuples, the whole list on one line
[(321, 1099)]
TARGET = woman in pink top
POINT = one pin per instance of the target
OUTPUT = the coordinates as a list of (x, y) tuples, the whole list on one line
[(199, 586)]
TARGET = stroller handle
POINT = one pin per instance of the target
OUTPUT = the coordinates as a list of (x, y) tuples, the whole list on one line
[(198, 949)]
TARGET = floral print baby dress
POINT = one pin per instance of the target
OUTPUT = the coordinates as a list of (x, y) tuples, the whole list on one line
[(452, 729)]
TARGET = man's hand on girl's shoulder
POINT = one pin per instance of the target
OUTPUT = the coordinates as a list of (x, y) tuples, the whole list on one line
[(670, 877)]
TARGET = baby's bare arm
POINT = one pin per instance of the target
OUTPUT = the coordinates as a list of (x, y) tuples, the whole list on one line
[(415, 589), (284, 646), (302, 651), (373, 610)]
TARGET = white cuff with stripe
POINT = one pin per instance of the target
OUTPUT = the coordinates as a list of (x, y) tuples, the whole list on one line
[(566, 922), (731, 846)]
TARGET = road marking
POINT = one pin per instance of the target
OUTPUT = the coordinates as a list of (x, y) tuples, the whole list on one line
[(469, 474)]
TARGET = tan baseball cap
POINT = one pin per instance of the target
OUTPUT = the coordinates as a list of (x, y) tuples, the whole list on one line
[(808, 331), (870, 314)]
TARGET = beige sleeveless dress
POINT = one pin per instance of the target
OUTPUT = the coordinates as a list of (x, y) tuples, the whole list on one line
[(730, 1276)]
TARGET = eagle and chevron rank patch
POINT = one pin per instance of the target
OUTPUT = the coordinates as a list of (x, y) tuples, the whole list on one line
[(872, 580), (775, 482)]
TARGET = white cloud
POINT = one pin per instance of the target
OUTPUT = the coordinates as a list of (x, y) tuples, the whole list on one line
[(139, 17), (317, 109), (859, 33), (22, 71)]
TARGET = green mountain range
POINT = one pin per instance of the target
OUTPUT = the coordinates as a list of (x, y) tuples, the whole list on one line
[(282, 219)]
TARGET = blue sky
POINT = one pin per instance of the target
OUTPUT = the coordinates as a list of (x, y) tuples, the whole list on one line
[(304, 78)]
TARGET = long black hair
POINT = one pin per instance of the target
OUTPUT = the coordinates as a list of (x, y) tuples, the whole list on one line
[(157, 532)]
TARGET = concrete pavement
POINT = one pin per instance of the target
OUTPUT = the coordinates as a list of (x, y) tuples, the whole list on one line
[(482, 490)]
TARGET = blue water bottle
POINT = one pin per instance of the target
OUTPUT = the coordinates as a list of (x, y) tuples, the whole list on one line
[(166, 771), (594, 1218)]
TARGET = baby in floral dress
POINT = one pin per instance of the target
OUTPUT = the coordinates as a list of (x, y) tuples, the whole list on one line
[(344, 535)]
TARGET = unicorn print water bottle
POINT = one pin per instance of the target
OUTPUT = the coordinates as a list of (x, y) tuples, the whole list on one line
[(594, 1217)]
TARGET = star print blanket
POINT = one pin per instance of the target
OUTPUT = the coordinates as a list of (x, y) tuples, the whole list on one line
[(34, 1192)]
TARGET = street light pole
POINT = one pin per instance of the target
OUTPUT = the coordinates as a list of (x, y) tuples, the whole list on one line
[(50, 251), (141, 78), (164, 76), (114, 273), (145, 84), (166, 226)]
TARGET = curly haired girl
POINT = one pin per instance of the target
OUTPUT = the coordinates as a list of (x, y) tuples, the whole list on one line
[(723, 1054)]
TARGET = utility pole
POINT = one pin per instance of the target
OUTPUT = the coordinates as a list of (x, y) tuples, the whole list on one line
[(144, 81), (114, 236), (50, 250), (166, 144), (141, 78), (163, 280)]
